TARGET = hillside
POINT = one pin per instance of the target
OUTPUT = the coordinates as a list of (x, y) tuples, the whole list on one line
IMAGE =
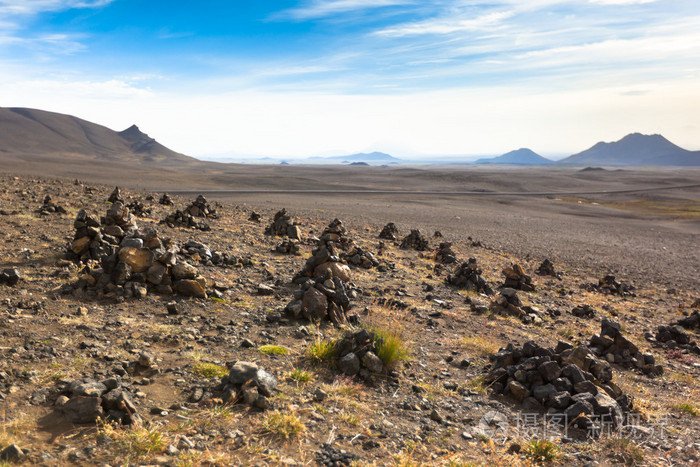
[(636, 149), (41, 133), (522, 156)]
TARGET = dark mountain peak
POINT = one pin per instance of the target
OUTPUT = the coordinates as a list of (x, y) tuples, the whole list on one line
[(522, 156), (133, 133)]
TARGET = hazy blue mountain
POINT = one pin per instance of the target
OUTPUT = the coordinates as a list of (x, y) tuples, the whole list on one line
[(522, 156), (636, 149)]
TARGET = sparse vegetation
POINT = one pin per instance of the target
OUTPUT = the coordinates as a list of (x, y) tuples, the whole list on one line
[(390, 346), (299, 375), (280, 425), (321, 351), (209, 370), (624, 450), (686, 408), (273, 350), (541, 450)]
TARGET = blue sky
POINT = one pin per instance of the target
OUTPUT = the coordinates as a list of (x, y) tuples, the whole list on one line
[(409, 77)]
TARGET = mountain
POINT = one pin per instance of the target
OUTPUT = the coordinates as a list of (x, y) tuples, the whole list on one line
[(41, 133), (522, 156), (369, 158), (636, 149)]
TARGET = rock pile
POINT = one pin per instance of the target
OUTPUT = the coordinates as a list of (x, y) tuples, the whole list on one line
[(517, 279), (255, 217), (468, 276), (116, 196), (49, 207), (129, 261), (248, 384), (326, 257), (185, 219), (359, 257), (288, 247), (609, 285), (322, 298), (566, 380), (201, 208), (138, 209), (674, 337), (611, 345), (444, 254), (284, 224), (357, 354), (583, 311), (691, 322), (415, 241), (547, 269), (92, 242), (89, 400), (389, 232), (9, 277), (166, 200)]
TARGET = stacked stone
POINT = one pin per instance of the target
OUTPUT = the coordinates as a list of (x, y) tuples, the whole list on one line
[(691, 322), (415, 241), (322, 298), (609, 285), (468, 276), (9, 277), (389, 232), (185, 219), (90, 242), (508, 303), (50, 208), (565, 380), (547, 269), (88, 401), (335, 233), (248, 384), (139, 209), (201, 208), (255, 217), (359, 257), (516, 278), (583, 311), (116, 196), (284, 224), (288, 247), (327, 255), (674, 337), (444, 254), (166, 200), (356, 354), (611, 345), (130, 262)]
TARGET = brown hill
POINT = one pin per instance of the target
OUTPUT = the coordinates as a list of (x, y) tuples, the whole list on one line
[(41, 133)]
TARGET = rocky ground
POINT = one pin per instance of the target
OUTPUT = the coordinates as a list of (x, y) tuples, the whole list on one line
[(103, 363)]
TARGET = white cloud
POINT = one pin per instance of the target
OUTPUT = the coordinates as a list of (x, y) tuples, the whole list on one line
[(32, 7), (322, 8), (447, 26)]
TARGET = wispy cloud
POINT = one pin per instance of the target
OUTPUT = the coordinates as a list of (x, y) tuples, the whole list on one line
[(315, 9), (447, 26), (32, 7)]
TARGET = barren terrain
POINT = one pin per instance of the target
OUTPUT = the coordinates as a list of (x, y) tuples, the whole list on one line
[(434, 407)]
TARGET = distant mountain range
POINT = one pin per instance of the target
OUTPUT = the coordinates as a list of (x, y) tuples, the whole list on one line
[(38, 132), (636, 149), (45, 134), (522, 156)]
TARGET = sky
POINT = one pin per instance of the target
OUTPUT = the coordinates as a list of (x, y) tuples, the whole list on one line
[(414, 78)]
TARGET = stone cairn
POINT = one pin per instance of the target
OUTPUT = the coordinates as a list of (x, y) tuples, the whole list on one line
[(116, 196), (468, 276), (10, 277), (516, 278), (611, 345), (508, 303), (288, 247), (139, 209), (547, 269), (128, 262), (201, 208), (584, 311), (389, 232), (87, 401), (566, 380), (255, 217), (609, 285), (49, 207), (246, 383), (321, 298), (690, 322), (675, 338), (415, 241), (284, 225), (444, 254), (166, 200), (185, 219), (356, 354)]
